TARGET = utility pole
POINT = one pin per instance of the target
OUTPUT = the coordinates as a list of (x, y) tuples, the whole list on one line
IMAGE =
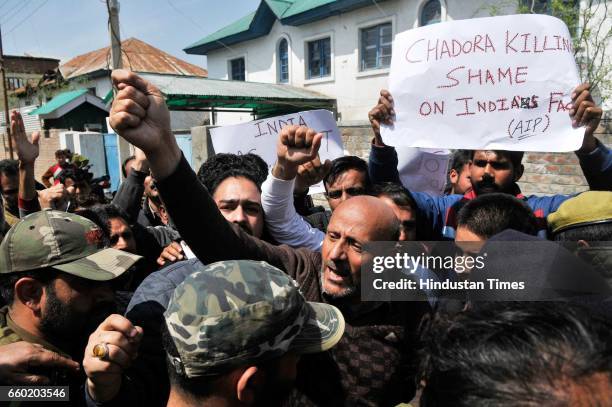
[(123, 147), (113, 27), (7, 121)]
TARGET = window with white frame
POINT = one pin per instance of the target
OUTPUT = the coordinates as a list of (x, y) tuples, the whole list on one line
[(376, 44), (237, 69), (319, 58), (431, 13), (283, 61)]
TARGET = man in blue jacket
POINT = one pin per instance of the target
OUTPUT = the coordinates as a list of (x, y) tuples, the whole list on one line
[(492, 171)]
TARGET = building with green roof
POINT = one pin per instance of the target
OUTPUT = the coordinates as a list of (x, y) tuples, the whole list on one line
[(338, 48)]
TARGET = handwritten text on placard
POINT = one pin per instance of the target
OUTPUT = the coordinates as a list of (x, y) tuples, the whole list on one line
[(496, 82), (260, 136)]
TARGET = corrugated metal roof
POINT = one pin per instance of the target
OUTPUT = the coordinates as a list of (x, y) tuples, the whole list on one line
[(190, 86), (137, 56), (264, 99), (58, 101)]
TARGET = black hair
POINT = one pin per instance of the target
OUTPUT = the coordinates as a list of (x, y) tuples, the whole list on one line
[(198, 387), (342, 164), (7, 283), (515, 157), (127, 160), (101, 215), (489, 214), (458, 160), (78, 175), (514, 354), (9, 167), (396, 192), (222, 166), (60, 153)]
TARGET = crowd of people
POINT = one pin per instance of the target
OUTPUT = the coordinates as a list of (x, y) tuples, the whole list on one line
[(228, 287)]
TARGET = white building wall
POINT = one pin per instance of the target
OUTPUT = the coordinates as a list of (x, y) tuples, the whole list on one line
[(356, 92)]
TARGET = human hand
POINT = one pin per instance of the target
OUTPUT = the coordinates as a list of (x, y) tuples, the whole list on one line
[(310, 173), (105, 372), (27, 152), (382, 113), (53, 197), (172, 252), (584, 112), (140, 162), (139, 114), (17, 359), (296, 145)]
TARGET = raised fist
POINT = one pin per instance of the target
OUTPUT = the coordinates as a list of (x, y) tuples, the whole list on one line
[(139, 114), (382, 113)]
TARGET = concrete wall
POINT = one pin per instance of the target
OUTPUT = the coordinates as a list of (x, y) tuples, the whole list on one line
[(355, 91), (49, 143)]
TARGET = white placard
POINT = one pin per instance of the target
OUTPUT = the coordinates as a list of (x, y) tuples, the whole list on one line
[(260, 136), (423, 170), (497, 83)]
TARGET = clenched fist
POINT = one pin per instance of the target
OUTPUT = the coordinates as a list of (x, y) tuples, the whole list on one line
[(139, 114), (382, 113), (110, 350), (585, 112), (296, 145)]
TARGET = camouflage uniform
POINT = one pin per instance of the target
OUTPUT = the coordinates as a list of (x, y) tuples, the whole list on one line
[(240, 313), (62, 241)]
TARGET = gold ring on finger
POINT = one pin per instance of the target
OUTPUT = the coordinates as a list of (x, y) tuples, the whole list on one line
[(101, 351)]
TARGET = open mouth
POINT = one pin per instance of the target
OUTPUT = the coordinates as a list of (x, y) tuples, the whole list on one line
[(335, 277)]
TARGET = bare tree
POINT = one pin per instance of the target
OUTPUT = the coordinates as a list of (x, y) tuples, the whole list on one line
[(590, 24)]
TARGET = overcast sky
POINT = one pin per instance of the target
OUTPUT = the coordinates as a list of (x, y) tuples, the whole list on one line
[(66, 28)]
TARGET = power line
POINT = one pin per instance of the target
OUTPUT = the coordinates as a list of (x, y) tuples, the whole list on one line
[(27, 17), (4, 4), (233, 51), (7, 19)]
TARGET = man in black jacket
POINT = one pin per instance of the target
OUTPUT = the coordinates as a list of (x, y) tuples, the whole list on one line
[(372, 364)]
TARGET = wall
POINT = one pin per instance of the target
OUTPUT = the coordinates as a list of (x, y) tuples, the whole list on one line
[(355, 91), (49, 143)]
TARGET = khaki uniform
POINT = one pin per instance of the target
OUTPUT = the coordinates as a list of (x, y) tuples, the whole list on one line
[(11, 333)]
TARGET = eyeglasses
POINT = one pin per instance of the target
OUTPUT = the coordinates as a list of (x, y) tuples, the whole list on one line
[(337, 194)]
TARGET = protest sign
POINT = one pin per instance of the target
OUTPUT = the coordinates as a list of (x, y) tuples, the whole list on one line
[(422, 169), (497, 83), (260, 136)]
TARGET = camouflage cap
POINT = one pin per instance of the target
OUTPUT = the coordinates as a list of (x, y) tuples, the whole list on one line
[(63, 241), (234, 313)]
